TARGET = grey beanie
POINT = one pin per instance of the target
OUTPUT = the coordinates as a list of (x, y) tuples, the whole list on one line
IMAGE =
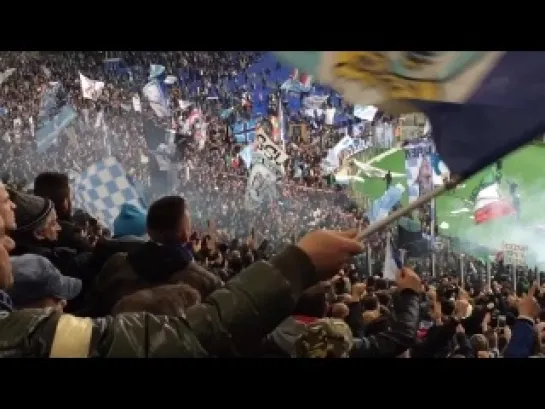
[(30, 210)]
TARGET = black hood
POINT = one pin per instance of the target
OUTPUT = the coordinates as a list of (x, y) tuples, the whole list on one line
[(156, 263)]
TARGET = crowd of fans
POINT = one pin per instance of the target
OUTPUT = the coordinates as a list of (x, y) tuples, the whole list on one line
[(201, 276)]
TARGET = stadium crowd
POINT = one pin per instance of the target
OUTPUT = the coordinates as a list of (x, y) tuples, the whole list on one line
[(200, 275)]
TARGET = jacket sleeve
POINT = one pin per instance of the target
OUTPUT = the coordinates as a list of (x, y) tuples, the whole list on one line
[(402, 333), (522, 340), (232, 320)]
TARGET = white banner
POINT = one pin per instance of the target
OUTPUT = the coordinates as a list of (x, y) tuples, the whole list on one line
[(136, 104), (157, 100), (269, 149), (314, 101), (514, 254), (365, 113), (90, 89), (261, 187)]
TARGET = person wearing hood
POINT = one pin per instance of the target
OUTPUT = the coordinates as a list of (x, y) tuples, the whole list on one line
[(55, 187), (165, 259)]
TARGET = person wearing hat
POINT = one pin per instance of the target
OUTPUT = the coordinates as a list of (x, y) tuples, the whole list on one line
[(131, 221), (55, 186), (35, 218), (325, 338), (37, 229), (38, 284)]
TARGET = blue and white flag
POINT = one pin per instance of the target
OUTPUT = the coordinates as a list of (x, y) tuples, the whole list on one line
[(295, 86), (365, 113), (392, 263), (50, 103), (49, 129), (382, 206), (244, 131), (157, 98), (156, 71), (282, 124), (102, 189), (246, 156), (226, 113), (481, 104), (418, 168)]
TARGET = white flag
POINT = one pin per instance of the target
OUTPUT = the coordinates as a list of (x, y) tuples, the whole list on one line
[(137, 106), (99, 120), (329, 116), (390, 269), (156, 98), (90, 89), (6, 74)]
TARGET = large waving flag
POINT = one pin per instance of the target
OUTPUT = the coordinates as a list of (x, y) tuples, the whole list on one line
[(481, 105), (102, 189), (489, 204), (156, 97), (384, 204)]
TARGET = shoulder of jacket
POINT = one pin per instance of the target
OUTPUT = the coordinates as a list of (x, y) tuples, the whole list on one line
[(17, 327)]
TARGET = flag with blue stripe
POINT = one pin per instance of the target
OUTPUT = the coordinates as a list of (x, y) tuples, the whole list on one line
[(156, 71), (481, 104), (102, 189), (244, 131), (392, 261), (246, 156), (49, 129), (156, 97), (384, 204)]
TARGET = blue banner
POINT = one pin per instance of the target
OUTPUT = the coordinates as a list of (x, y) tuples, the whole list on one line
[(47, 134), (244, 131)]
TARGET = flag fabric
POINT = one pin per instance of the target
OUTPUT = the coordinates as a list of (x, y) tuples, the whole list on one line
[(410, 238), (314, 101), (244, 131), (4, 75), (51, 101), (489, 205), (365, 113), (156, 97), (102, 189), (246, 155), (170, 80), (463, 93), (392, 263), (384, 204), (153, 134), (156, 71), (283, 134), (49, 129), (136, 104), (90, 89), (226, 113), (418, 168)]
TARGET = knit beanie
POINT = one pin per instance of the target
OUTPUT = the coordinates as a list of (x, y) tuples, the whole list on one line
[(131, 221), (30, 210)]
